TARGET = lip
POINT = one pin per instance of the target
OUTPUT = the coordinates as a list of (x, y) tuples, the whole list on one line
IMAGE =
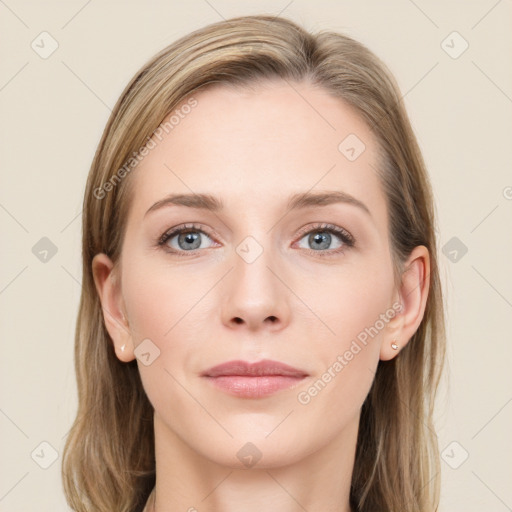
[(254, 380)]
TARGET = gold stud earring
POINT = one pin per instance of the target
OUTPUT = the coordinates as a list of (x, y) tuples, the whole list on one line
[(394, 345)]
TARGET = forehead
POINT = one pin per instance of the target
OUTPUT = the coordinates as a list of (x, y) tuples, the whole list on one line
[(265, 142)]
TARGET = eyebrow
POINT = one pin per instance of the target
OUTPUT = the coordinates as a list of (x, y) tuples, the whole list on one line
[(295, 202)]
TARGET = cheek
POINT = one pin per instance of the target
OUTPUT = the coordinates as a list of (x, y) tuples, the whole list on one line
[(356, 308), (352, 300), (160, 307), (170, 308), (337, 306), (156, 299)]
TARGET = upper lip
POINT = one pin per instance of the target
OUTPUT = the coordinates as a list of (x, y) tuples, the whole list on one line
[(257, 369)]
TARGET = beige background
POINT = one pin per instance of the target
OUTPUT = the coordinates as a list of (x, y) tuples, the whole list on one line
[(53, 111)]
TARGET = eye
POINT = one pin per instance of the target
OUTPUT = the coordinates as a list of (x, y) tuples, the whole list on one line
[(182, 239), (322, 237), (188, 238)]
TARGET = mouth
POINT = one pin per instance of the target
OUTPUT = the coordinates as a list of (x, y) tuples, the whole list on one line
[(253, 380)]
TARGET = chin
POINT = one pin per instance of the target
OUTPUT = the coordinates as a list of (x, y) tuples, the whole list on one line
[(254, 450)]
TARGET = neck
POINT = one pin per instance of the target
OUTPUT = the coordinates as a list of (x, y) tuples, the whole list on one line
[(187, 481)]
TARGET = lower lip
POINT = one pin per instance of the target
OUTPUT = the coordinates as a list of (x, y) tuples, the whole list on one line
[(254, 387)]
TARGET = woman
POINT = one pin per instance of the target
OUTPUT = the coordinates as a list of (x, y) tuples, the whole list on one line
[(261, 321)]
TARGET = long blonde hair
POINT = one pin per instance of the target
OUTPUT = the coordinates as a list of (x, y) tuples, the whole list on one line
[(109, 461)]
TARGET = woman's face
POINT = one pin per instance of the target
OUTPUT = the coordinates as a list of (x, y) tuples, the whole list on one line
[(258, 277)]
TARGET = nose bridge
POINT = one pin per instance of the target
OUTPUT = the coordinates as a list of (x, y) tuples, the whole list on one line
[(254, 295)]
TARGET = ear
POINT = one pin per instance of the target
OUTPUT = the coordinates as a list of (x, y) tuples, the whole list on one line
[(109, 291), (412, 295)]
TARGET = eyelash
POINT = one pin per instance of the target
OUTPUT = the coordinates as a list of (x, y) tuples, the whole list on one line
[(347, 239)]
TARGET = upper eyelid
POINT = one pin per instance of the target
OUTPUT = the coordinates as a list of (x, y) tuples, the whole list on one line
[(172, 232), (326, 226)]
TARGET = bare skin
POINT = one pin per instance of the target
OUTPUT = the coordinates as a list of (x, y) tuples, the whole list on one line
[(295, 303)]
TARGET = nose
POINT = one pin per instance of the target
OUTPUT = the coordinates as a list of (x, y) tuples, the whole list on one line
[(255, 295)]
